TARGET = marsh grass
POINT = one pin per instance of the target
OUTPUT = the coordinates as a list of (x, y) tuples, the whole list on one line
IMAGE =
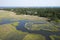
[(34, 37), (54, 37)]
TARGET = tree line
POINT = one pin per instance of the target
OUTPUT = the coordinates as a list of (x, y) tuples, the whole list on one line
[(52, 13)]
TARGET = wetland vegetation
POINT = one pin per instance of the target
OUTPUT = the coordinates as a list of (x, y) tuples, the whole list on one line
[(29, 23)]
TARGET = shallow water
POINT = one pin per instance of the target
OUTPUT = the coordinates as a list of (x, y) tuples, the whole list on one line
[(7, 21), (21, 26), (42, 32)]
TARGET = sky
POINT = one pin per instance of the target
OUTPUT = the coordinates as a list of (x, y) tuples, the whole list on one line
[(29, 3)]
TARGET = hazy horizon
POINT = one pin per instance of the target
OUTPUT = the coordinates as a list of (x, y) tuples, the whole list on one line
[(29, 3)]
